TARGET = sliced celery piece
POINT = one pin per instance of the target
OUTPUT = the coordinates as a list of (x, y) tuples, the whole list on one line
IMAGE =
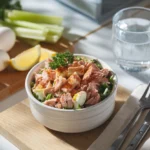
[(46, 28), (32, 34), (25, 24), (32, 17), (39, 35), (29, 33), (55, 27), (52, 38)]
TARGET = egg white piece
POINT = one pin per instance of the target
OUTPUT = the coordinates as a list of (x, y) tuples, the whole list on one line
[(7, 38), (4, 60), (79, 99)]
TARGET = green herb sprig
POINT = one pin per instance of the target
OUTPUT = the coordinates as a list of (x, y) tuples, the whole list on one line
[(106, 88), (61, 59), (97, 63), (49, 96)]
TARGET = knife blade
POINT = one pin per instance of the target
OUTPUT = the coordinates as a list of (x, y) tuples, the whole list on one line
[(140, 134)]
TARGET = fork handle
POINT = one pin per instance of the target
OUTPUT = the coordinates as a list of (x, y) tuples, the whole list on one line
[(138, 137), (119, 141)]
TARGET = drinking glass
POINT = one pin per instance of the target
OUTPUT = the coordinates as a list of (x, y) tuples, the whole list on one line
[(131, 38)]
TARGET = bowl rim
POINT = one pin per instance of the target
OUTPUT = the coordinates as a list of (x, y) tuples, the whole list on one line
[(31, 97)]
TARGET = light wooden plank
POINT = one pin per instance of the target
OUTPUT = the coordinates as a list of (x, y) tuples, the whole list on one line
[(19, 126)]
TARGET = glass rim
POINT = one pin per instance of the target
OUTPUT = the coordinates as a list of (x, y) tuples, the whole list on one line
[(130, 8)]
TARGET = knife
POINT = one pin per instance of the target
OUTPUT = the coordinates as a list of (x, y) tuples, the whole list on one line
[(140, 134)]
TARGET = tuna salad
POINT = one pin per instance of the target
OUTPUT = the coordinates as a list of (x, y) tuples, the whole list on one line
[(72, 82)]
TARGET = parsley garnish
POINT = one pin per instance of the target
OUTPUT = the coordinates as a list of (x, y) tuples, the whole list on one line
[(106, 88), (61, 59)]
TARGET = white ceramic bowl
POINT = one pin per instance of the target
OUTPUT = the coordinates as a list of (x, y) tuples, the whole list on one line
[(71, 121)]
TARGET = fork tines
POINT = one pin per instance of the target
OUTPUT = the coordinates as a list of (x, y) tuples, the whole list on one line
[(145, 93)]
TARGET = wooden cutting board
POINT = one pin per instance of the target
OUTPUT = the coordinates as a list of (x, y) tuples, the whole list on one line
[(19, 126), (11, 80)]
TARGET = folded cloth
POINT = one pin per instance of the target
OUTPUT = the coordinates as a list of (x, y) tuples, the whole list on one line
[(119, 122)]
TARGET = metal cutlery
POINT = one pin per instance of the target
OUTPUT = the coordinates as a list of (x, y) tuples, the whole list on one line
[(140, 134), (144, 103)]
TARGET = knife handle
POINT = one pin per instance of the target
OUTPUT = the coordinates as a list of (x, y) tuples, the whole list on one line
[(138, 137), (117, 144)]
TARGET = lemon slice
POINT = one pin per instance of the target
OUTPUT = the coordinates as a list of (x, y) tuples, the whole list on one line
[(45, 54), (26, 59)]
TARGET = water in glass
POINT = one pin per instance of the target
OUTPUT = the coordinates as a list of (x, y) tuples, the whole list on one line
[(131, 44)]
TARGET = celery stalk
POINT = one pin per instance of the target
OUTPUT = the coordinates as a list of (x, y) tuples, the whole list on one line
[(25, 24), (32, 17), (26, 32), (29, 33), (52, 39), (48, 29), (56, 27)]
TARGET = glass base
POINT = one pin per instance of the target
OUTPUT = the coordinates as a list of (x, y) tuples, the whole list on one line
[(134, 67)]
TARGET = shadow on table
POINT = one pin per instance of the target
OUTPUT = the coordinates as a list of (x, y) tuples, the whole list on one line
[(143, 76), (70, 36)]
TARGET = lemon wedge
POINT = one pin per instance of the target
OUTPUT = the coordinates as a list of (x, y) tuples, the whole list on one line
[(26, 59), (45, 54)]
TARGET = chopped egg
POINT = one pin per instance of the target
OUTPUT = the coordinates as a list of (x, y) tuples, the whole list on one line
[(79, 99), (7, 38), (4, 60), (40, 93)]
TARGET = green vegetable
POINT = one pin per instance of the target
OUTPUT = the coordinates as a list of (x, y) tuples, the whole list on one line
[(102, 88), (28, 25), (78, 58), (61, 59), (106, 91), (8, 4), (49, 29), (32, 84), (34, 34), (29, 33), (49, 96), (39, 94), (97, 63), (32, 17), (111, 79), (52, 38), (34, 94), (106, 88), (53, 28)]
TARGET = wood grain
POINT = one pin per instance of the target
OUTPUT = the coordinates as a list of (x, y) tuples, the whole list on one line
[(19, 127), (11, 80)]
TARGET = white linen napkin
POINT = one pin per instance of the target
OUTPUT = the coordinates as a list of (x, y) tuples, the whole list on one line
[(127, 111)]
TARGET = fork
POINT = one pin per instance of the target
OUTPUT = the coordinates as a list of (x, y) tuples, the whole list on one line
[(144, 103)]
